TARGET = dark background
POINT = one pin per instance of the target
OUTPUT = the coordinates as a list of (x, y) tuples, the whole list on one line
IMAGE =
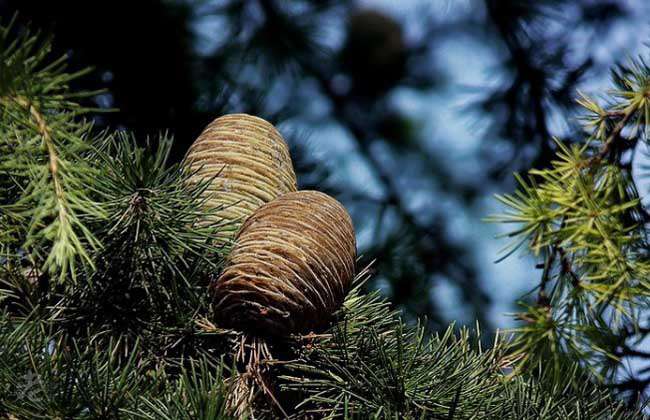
[(412, 113)]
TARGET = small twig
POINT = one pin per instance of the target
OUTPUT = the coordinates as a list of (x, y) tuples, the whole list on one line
[(45, 133), (616, 131), (542, 297), (566, 267)]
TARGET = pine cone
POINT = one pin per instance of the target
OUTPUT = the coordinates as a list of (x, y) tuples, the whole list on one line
[(249, 161), (292, 265)]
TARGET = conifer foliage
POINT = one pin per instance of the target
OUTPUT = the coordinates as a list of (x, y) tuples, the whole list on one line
[(107, 253), (585, 222)]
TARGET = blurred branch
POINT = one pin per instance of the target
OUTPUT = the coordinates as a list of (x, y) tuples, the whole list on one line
[(361, 134)]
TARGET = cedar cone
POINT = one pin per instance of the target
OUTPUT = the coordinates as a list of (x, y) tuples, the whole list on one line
[(249, 163), (292, 265)]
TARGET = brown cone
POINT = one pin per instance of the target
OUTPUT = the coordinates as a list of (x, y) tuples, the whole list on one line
[(249, 161), (292, 264)]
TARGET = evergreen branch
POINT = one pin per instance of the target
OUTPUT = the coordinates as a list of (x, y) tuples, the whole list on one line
[(61, 205), (584, 211), (48, 180), (362, 134), (372, 366), (200, 393)]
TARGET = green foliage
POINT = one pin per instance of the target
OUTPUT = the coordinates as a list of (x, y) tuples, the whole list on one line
[(46, 375), (370, 365), (388, 370), (583, 218), (46, 194), (158, 218), (199, 393), (158, 251)]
